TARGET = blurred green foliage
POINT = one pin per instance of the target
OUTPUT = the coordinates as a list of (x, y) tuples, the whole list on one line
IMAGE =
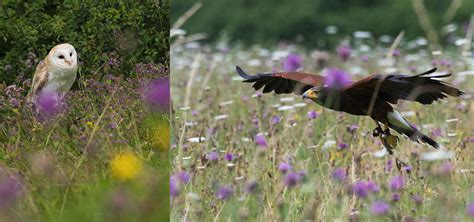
[(118, 33), (270, 21)]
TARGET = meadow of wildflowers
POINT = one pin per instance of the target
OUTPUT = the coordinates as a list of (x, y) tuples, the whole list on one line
[(238, 154), (100, 153)]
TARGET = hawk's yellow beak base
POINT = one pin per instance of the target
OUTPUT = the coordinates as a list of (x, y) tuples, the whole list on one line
[(310, 94)]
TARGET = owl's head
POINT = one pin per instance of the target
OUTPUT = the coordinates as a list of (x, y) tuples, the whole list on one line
[(63, 56)]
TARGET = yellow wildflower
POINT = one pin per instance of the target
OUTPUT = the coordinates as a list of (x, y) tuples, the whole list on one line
[(159, 134), (125, 166), (90, 124)]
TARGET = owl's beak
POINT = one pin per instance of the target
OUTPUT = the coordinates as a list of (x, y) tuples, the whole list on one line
[(68, 62)]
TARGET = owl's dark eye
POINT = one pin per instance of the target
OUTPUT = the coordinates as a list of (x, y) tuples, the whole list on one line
[(70, 54), (61, 57)]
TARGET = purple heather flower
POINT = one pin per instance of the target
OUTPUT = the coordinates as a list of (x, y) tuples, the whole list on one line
[(313, 115), (339, 174), (275, 120), (49, 103), (224, 192), (336, 78), (396, 183), (470, 209), (251, 186), (14, 102), (284, 167), (344, 52), (10, 189), (157, 94), (372, 186), (212, 156), (379, 208), (292, 179), (292, 63), (260, 140), (360, 189), (395, 197)]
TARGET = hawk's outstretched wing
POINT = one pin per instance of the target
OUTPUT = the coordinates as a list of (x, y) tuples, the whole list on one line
[(420, 88), (282, 82)]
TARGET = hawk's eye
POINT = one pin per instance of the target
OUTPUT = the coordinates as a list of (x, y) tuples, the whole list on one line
[(61, 57)]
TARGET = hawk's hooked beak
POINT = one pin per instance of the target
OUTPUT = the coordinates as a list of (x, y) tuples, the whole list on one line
[(310, 94)]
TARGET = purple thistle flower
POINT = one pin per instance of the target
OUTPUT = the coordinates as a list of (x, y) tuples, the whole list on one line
[(379, 208), (389, 165), (344, 52), (372, 186), (396, 183), (446, 168), (157, 94), (292, 179), (49, 103), (275, 120), (360, 189), (302, 174), (445, 62), (396, 53), (352, 128), (365, 58), (260, 140), (292, 63), (229, 157), (417, 199), (224, 192), (342, 146), (436, 132), (336, 78), (251, 186), (212, 156), (174, 187), (407, 168), (284, 167), (339, 174), (313, 115), (470, 209), (395, 197), (183, 177)]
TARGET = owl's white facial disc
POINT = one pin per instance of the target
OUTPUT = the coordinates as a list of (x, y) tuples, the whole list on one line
[(64, 56)]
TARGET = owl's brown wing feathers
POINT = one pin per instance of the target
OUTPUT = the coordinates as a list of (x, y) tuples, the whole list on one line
[(282, 82), (39, 80)]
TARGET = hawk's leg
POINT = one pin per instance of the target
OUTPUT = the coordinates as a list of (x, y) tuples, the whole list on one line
[(392, 140), (388, 140)]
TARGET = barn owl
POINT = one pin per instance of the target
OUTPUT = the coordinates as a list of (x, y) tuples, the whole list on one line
[(56, 73)]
